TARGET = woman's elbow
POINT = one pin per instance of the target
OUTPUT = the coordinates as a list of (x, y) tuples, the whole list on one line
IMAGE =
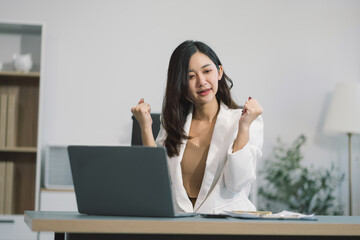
[(236, 184)]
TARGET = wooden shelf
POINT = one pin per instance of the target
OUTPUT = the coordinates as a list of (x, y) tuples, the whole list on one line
[(20, 152), (56, 190), (20, 74), (19, 149)]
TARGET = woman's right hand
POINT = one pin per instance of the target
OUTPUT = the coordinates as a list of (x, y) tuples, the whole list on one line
[(142, 114)]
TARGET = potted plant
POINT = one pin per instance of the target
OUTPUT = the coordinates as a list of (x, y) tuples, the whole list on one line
[(288, 185)]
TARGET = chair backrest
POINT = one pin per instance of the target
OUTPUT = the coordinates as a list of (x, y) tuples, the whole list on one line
[(136, 131)]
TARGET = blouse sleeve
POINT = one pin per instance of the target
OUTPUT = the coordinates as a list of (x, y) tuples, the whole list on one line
[(240, 167), (161, 137)]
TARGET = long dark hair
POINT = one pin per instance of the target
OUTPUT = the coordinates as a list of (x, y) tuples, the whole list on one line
[(177, 102)]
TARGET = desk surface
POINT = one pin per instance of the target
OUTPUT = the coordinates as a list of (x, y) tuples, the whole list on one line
[(78, 223)]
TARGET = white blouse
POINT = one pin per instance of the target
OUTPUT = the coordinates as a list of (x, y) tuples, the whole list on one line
[(228, 176)]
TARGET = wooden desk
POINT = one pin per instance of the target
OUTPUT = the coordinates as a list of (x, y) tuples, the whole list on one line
[(79, 226)]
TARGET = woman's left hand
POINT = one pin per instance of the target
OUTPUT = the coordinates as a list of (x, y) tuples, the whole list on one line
[(251, 111)]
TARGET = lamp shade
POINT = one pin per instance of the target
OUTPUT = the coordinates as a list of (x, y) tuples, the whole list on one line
[(344, 112)]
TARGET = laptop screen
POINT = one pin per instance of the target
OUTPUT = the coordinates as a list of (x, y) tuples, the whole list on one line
[(121, 180)]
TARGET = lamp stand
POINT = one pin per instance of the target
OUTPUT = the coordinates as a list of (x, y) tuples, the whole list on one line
[(350, 199)]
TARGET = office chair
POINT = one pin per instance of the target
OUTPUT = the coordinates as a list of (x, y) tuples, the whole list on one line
[(136, 131)]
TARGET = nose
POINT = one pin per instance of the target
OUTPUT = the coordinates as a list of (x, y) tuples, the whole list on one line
[(201, 80)]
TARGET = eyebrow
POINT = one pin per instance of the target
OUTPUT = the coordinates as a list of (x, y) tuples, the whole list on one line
[(206, 65)]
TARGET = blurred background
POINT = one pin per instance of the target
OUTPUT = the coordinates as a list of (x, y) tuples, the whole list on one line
[(101, 57)]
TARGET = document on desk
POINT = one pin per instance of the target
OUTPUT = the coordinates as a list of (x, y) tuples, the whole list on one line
[(284, 215)]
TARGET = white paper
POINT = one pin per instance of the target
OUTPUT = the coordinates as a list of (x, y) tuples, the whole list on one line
[(290, 215), (286, 215)]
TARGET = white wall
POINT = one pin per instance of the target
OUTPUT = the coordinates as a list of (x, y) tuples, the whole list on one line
[(102, 56)]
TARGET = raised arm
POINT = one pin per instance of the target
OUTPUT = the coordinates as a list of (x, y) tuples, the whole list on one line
[(251, 111), (142, 114)]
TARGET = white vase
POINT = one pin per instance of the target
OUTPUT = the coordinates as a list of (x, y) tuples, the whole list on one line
[(23, 62)]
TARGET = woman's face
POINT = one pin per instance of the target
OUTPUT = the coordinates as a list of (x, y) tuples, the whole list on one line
[(203, 78)]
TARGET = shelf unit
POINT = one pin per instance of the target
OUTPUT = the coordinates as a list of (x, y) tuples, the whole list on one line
[(19, 74), (23, 153)]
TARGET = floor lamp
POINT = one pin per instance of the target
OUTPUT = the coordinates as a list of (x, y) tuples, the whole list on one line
[(344, 117)]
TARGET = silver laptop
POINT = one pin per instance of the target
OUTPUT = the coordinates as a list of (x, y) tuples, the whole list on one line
[(122, 181)]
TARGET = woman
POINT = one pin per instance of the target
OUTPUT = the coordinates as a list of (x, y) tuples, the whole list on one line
[(212, 144)]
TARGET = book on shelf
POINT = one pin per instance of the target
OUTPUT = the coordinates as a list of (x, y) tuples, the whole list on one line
[(2, 186), (12, 116), (3, 119), (9, 187)]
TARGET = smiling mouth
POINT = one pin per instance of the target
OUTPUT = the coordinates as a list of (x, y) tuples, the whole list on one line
[(204, 92)]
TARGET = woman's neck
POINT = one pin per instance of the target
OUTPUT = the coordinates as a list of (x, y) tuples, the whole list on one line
[(206, 112)]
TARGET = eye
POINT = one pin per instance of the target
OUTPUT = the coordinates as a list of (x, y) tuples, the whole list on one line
[(191, 77), (207, 71)]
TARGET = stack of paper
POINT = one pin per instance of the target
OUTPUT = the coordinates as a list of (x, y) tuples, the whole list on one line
[(284, 215)]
